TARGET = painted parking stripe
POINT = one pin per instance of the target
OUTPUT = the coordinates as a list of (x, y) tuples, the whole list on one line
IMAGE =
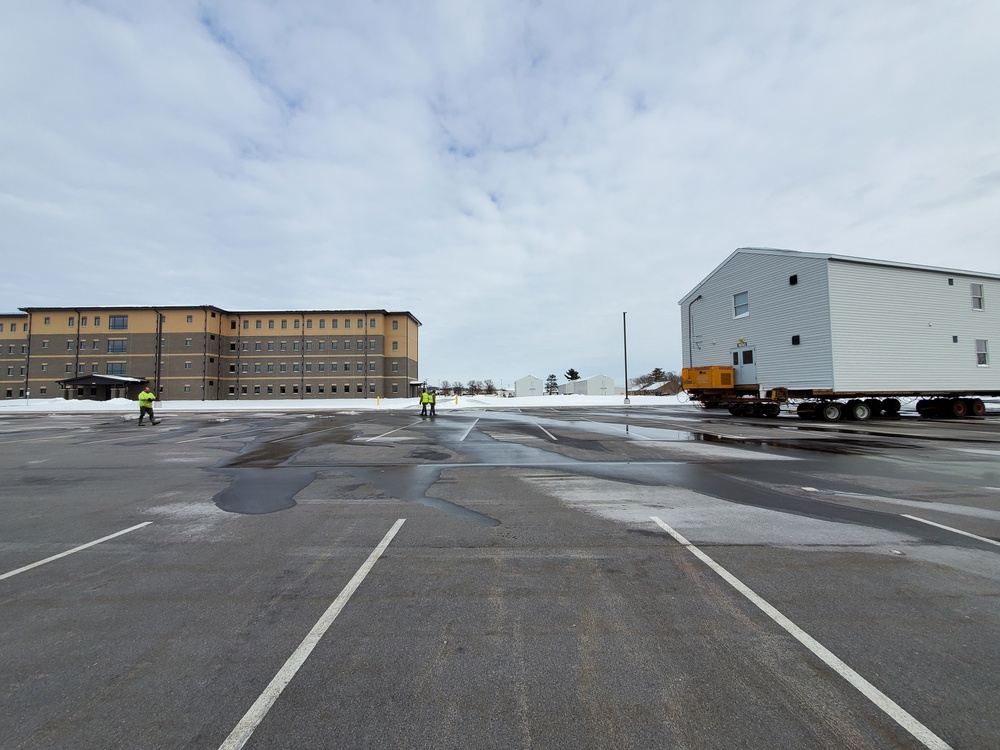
[(368, 440), (75, 549), (872, 693), (252, 718), (949, 528), (462, 439)]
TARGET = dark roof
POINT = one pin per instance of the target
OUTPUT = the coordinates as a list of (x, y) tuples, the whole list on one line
[(101, 380)]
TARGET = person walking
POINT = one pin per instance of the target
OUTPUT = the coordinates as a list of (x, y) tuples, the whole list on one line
[(433, 401), (146, 399), (425, 400)]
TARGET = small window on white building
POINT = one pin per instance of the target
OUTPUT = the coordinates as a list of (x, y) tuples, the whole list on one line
[(977, 296), (741, 304), (982, 353)]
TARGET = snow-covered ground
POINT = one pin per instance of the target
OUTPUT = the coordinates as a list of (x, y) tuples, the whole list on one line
[(444, 404)]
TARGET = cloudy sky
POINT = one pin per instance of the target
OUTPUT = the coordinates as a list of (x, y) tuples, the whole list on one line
[(517, 174)]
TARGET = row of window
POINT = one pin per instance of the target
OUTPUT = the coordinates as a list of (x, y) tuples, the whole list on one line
[(283, 323), (320, 345), (741, 300), (258, 390), (115, 322), (320, 367)]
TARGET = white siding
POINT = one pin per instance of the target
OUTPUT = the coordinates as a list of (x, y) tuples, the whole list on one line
[(529, 385), (893, 329), (778, 311)]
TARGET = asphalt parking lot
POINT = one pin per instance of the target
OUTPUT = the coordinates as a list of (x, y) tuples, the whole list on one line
[(552, 578)]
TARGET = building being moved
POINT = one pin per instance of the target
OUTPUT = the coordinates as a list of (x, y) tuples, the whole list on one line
[(207, 353)]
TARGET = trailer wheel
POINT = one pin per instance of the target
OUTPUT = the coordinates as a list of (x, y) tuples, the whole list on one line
[(735, 409), (772, 410), (976, 407), (927, 407), (806, 410), (874, 406), (858, 410), (748, 410), (958, 408), (890, 406), (831, 412)]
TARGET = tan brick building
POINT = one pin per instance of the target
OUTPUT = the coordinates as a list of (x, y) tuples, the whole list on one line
[(207, 353)]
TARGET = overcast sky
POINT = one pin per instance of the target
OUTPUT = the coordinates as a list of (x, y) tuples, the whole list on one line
[(516, 174)]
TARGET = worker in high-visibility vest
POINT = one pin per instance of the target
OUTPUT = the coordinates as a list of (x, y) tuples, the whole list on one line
[(433, 401), (425, 400), (146, 399)]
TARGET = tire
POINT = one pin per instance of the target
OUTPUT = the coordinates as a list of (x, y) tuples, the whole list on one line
[(958, 408), (858, 410), (736, 409), (806, 410), (831, 411), (772, 410), (874, 406), (749, 410), (976, 407), (890, 406)]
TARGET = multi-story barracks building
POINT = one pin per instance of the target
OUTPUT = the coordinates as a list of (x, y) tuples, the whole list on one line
[(206, 353)]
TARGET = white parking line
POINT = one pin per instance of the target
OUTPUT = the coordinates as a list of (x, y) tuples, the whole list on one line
[(368, 440), (949, 528), (461, 439), (252, 719), (554, 438), (75, 549), (872, 693)]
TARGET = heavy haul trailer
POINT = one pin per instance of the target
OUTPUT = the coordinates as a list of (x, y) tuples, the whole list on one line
[(839, 336), (715, 388)]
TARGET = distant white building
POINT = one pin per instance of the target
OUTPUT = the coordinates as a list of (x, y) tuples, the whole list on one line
[(529, 385), (596, 385)]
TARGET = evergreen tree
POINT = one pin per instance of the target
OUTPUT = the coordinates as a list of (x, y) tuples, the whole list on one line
[(572, 374), (551, 384)]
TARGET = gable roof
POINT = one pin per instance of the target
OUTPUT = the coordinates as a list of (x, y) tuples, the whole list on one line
[(831, 257)]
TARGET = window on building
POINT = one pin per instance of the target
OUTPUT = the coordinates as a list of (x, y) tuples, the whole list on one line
[(977, 296), (232, 390), (371, 367), (360, 388), (347, 346), (47, 321), (256, 367), (97, 320), (333, 367), (246, 325), (319, 388), (257, 324), (232, 325), (322, 346), (371, 323), (256, 390), (117, 322), (333, 389), (347, 322), (187, 365), (395, 366), (95, 367), (395, 388), (69, 344), (283, 346), (371, 388), (117, 346), (256, 346), (116, 368), (321, 367), (333, 322), (187, 389), (71, 320), (83, 345), (371, 345), (81, 369), (270, 324), (309, 388), (741, 304), (309, 367), (232, 368), (982, 352), (361, 322), (270, 346), (395, 346), (309, 346), (243, 390), (187, 342), (361, 366), (295, 366), (295, 346), (284, 323), (83, 320), (270, 367), (45, 344), (270, 389), (190, 319), (322, 322), (395, 325), (281, 389), (232, 346), (282, 367), (295, 323)]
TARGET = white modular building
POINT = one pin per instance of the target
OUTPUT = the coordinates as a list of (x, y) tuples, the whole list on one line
[(528, 386), (596, 385), (821, 323)]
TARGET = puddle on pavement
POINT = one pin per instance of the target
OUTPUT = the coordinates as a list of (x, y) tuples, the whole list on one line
[(258, 491)]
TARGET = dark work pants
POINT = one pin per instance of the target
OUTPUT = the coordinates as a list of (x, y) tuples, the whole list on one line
[(143, 411)]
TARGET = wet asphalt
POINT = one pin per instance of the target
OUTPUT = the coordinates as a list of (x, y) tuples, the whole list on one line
[(528, 600)]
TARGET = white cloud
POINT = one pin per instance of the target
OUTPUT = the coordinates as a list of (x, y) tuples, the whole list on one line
[(516, 174)]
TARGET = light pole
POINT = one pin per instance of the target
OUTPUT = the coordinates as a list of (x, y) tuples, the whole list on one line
[(625, 344)]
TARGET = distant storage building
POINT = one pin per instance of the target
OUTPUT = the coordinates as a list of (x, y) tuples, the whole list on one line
[(595, 385), (207, 353), (528, 386), (827, 323)]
